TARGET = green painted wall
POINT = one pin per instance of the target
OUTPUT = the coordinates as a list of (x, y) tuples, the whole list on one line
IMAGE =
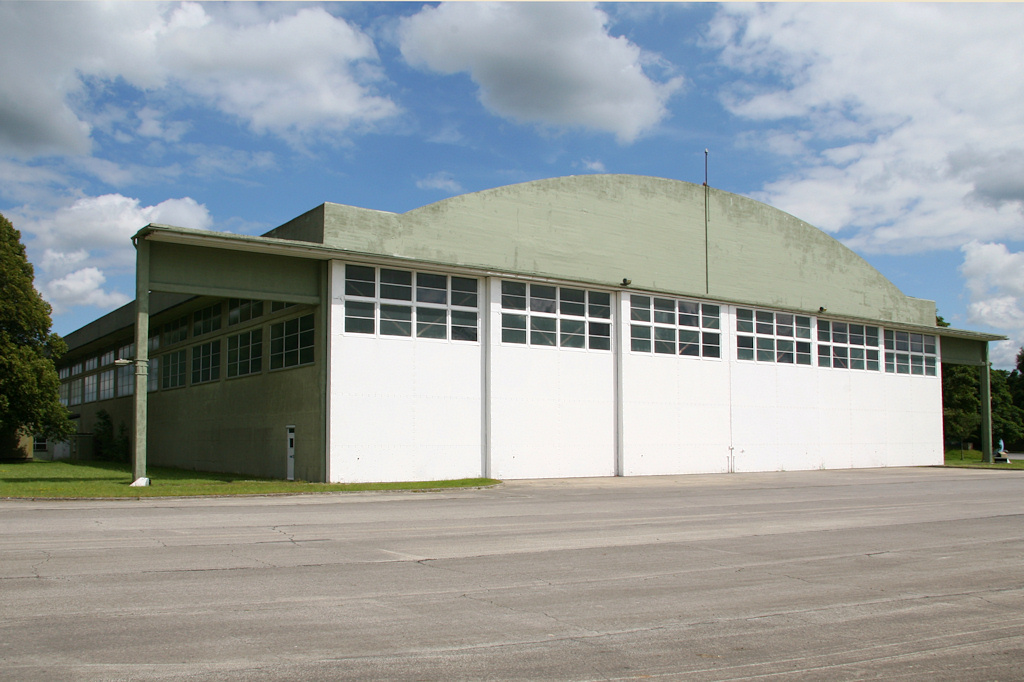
[(239, 425), (603, 228), (233, 425), (963, 351), (222, 272)]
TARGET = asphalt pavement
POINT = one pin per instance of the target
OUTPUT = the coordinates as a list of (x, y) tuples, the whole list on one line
[(909, 574)]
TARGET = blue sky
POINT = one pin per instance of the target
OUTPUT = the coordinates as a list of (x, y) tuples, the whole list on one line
[(896, 128)]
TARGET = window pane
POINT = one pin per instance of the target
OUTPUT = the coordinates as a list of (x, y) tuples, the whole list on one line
[(513, 295), (745, 347), (542, 298), (468, 334), (572, 302), (640, 338), (640, 308), (513, 328), (600, 304), (902, 363), (803, 353), (360, 281), (711, 338), (917, 364), (395, 320), (839, 332), (856, 335), (745, 324), (665, 340), (464, 318), (463, 325), (359, 317), (689, 314), (710, 314), (600, 336), (431, 288), (784, 351), (783, 324), (689, 342), (664, 311), (464, 292), (542, 331), (431, 323), (395, 285), (573, 333)]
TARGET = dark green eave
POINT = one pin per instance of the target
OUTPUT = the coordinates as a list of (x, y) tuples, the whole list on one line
[(962, 347)]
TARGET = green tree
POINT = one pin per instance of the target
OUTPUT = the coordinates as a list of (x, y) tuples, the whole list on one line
[(1007, 418), (29, 387), (961, 404), (106, 445), (1015, 384)]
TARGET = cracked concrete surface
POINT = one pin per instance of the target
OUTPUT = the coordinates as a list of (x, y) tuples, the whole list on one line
[(896, 573)]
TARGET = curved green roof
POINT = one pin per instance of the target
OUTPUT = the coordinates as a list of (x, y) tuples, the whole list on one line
[(601, 229)]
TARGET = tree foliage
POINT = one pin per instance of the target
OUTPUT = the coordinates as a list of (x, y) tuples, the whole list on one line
[(1007, 418), (29, 387), (108, 445), (1015, 387), (961, 404)]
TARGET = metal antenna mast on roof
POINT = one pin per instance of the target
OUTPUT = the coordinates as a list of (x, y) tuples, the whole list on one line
[(707, 276)]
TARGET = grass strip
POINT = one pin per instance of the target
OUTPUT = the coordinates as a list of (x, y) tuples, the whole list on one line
[(972, 459), (76, 480)]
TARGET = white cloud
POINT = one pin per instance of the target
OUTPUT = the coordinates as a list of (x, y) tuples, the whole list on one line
[(108, 222), (592, 166), (151, 124), (554, 64), (26, 183), (81, 288), (908, 115), (440, 181), (995, 282), (301, 75), (97, 231)]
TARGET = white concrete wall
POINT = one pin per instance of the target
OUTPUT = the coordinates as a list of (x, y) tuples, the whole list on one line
[(681, 414), (552, 409), (675, 415), (788, 417), (414, 409), (401, 409)]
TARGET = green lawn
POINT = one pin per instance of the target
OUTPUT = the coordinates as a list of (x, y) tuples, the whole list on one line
[(972, 458), (100, 479)]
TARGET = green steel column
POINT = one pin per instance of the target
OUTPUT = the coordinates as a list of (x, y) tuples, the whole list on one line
[(141, 361), (986, 407)]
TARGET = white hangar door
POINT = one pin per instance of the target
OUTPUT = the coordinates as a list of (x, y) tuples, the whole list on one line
[(551, 381), (405, 382)]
